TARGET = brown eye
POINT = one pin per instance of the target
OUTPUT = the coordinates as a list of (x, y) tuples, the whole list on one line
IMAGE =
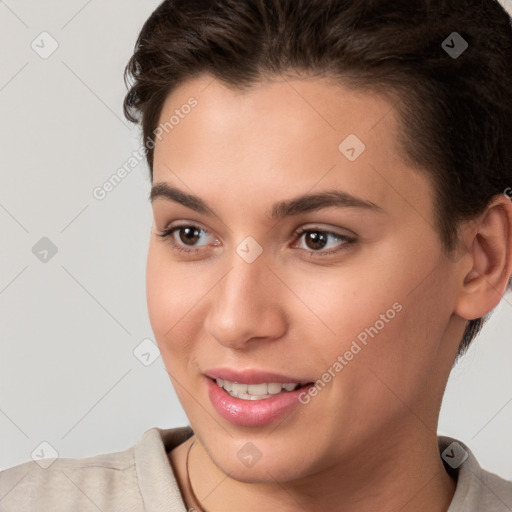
[(317, 239), (188, 235), (191, 234)]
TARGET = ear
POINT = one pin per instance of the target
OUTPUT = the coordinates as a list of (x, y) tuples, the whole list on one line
[(486, 267)]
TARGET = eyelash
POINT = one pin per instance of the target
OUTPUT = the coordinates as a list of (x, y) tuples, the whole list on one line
[(301, 231)]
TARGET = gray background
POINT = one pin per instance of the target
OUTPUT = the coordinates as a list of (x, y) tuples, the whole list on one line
[(69, 326)]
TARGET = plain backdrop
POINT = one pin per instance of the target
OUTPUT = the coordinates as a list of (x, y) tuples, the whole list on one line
[(71, 320)]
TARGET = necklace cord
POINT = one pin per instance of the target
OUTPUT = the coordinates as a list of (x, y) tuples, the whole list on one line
[(189, 483)]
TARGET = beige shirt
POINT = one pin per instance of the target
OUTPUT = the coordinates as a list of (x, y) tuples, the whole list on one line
[(141, 479)]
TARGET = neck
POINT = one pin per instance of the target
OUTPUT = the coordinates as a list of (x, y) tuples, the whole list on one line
[(403, 472)]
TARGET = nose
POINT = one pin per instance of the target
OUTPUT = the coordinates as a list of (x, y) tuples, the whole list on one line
[(245, 305)]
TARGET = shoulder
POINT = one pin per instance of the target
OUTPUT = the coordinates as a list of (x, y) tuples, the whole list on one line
[(67, 484), (111, 481), (477, 489)]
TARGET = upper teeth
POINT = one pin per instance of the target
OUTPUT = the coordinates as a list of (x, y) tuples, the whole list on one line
[(255, 391)]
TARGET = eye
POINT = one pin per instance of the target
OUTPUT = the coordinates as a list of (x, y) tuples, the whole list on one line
[(187, 233), (317, 239)]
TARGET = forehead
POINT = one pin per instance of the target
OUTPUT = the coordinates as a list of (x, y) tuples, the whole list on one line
[(287, 134), (309, 108)]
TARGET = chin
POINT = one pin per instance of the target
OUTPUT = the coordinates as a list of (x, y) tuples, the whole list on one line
[(264, 464)]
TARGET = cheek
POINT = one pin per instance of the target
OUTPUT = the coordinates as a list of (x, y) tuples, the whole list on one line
[(175, 295), (341, 306), (160, 299), (390, 327), (168, 295), (396, 361)]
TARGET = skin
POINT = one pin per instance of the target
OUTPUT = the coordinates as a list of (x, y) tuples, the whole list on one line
[(367, 441)]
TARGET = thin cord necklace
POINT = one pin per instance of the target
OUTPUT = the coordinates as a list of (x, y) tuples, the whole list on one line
[(201, 509)]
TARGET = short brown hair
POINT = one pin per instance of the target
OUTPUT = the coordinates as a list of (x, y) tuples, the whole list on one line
[(455, 111)]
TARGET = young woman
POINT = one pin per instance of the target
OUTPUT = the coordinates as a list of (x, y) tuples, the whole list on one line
[(331, 189)]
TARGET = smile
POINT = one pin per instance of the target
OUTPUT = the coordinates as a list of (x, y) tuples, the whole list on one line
[(256, 391)]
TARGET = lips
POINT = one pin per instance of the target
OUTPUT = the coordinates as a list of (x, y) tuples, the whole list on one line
[(254, 412), (253, 376)]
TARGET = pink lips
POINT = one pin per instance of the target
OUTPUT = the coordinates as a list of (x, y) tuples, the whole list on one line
[(251, 413), (251, 376)]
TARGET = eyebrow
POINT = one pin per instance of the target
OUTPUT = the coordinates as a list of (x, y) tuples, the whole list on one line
[(301, 204)]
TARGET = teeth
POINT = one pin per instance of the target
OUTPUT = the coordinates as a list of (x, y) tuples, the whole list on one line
[(274, 388), (237, 388), (255, 391)]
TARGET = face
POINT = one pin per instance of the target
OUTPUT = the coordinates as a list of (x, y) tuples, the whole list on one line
[(349, 291)]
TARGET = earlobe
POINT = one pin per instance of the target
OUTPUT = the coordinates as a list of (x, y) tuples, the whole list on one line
[(489, 248)]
